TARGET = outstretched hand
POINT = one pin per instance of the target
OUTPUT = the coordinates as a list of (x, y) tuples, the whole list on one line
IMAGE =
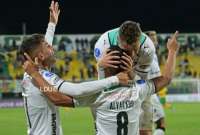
[(54, 12), (172, 44), (127, 63), (30, 67)]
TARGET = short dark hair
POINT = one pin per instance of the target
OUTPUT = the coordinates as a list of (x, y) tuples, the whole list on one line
[(150, 32), (114, 71), (130, 30), (30, 44)]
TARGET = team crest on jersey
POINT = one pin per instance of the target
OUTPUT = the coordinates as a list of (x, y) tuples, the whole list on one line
[(97, 52)]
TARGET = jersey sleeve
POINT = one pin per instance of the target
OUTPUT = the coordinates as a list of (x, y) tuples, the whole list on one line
[(87, 88), (50, 33), (146, 56), (101, 45), (147, 89), (154, 69), (52, 79)]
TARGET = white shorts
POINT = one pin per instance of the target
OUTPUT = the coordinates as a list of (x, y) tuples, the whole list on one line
[(146, 115), (158, 111)]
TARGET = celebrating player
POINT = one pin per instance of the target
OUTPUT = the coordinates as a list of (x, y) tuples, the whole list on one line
[(130, 37)]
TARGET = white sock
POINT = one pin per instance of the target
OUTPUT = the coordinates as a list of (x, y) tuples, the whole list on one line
[(159, 132)]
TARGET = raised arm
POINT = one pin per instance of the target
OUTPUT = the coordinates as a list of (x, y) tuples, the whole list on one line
[(165, 79), (53, 20)]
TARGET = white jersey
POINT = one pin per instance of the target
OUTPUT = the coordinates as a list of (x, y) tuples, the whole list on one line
[(117, 112), (145, 58), (42, 115)]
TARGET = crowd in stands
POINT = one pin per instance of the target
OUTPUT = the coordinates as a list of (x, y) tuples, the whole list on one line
[(187, 58), (75, 60)]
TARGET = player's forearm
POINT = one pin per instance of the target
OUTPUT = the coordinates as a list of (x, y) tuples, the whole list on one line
[(169, 69), (76, 89), (59, 99), (50, 33), (170, 65), (87, 88)]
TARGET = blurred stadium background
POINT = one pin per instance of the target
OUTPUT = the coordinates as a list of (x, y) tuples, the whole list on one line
[(76, 61)]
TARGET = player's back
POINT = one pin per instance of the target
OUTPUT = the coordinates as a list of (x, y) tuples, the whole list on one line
[(117, 112), (42, 115)]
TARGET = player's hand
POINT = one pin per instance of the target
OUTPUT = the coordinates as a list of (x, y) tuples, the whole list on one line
[(172, 44), (109, 60), (123, 78), (54, 12), (29, 66), (127, 63)]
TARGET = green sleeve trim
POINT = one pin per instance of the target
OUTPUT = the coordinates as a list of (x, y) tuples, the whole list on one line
[(112, 36), (111, 88), (142, 39)]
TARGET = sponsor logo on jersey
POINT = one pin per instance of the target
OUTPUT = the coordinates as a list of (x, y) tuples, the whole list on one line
[(97, 52), (48, 74)]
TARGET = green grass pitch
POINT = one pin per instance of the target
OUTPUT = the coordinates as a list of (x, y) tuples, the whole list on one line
[(182, 119)]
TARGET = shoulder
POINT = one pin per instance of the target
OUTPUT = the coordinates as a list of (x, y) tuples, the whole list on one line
[(104, 36), (147, 50), (26, 81), (28, 86), (50, 77), (148, 44), (26, 76), (101, 45)]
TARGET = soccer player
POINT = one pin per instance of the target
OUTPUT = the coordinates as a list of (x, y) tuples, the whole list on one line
[(158, 111), (42, 114), (116, 110), (117, 113), (130, 37)]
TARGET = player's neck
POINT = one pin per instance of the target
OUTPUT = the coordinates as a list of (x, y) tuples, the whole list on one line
[(41, 65)]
